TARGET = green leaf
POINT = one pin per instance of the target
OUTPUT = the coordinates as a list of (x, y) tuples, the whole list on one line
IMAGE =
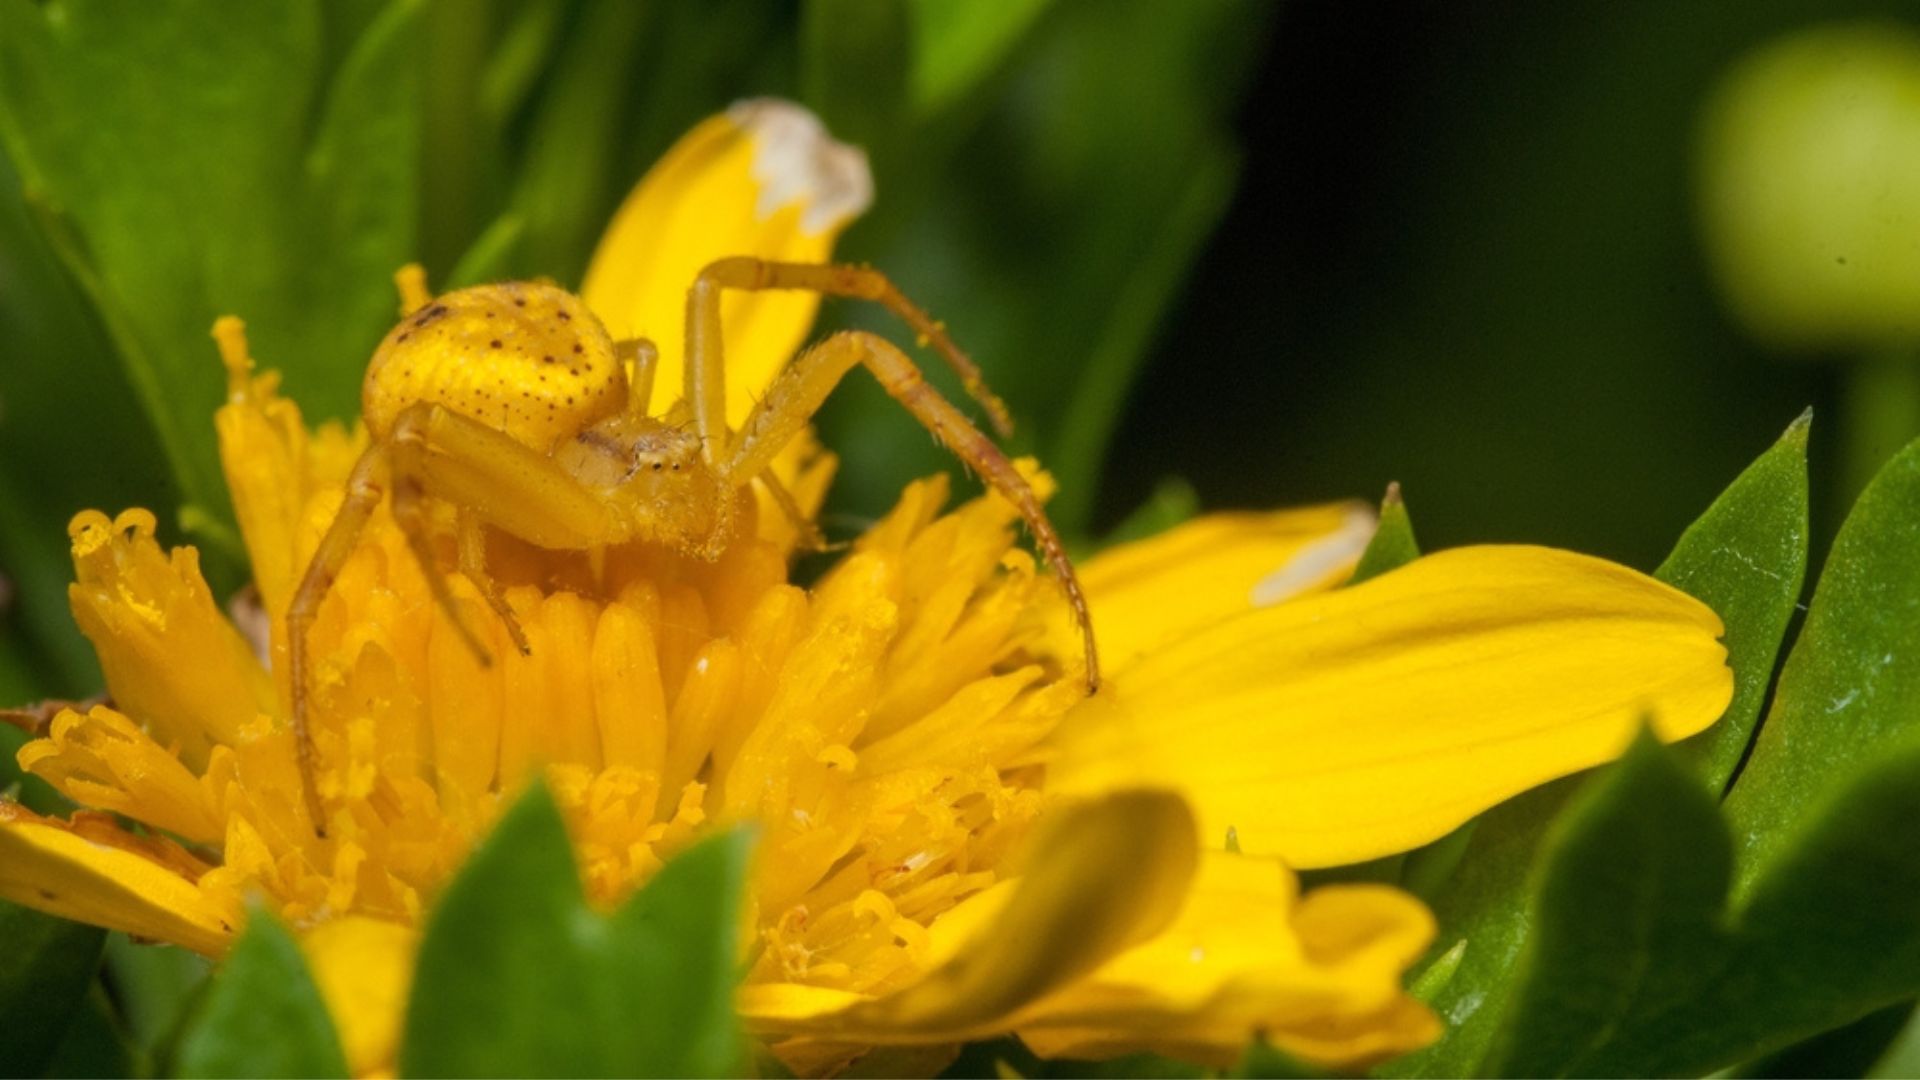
[(566, 187), (1823, 926), (1745, 557), (1851, 687), (853, 68), (1393, 545), (263, 1015), (1902, 1056), (1683, 983), (55, 347), (1849, 1050), (158, 988), (1173, 501), (517, 976), (956, 43), (1633, 878), (1263, 1061), (94, 1044), (197, 158), (45, 970)]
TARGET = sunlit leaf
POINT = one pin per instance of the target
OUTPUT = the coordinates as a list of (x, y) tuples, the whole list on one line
[(1393, 544), (1745, 557), (1639, 965), (263, 1015), (1850, 691), (1627, 913), (1806, 918), (198, 158), (55, 347), (1902, 1056), (518, 977)]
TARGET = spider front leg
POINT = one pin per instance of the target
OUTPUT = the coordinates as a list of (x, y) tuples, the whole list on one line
[(433, 452), (407, 452), (473, 563), (808, 531), (488, 477), (801, 388), (706, 381), (363, 494), (642, 358)]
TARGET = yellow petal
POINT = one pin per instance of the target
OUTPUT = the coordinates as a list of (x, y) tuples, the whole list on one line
[(364, 968), (1356, 723), (1099, 877), (79, 872), (1319, 977), (763, 178), (146, 611), (103, 760), (273, 467), (1157, 590)]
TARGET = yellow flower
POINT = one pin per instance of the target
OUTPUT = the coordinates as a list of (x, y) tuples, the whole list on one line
[(955, 841)]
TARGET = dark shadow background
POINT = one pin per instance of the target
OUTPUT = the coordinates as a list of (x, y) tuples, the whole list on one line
[(1463, 256)]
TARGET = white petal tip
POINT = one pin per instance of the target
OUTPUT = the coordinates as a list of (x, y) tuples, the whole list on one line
[(796, 160), (1318, 559)]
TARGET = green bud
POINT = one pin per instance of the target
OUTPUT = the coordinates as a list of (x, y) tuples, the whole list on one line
[(1810, 188)]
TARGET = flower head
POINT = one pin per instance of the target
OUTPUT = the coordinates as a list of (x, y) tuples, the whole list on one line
[(955, 841)]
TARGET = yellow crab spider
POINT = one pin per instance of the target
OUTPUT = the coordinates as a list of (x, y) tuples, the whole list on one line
[(512, 404)]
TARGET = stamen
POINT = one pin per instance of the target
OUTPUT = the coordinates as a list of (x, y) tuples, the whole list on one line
[(411, 281), (231, 335)]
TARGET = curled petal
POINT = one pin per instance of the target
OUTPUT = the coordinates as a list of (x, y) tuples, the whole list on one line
[(763, 178), (1319, 976), (1099, 877), (145, 611), (101, 759), (1357, 723)]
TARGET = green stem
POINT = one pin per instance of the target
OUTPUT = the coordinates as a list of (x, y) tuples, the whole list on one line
[(1880, 412)]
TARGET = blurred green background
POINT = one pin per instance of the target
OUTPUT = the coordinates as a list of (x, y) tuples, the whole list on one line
[(1279, 252)]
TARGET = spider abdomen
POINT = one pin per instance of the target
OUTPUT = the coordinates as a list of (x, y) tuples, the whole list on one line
[(525, 358)]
